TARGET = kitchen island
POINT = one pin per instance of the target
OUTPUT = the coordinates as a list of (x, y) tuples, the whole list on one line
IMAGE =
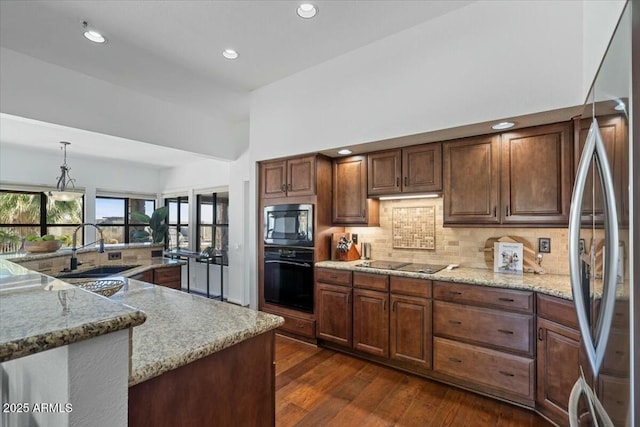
[(190, 363), (196, 359)]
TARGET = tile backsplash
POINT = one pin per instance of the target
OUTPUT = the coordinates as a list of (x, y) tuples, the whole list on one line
[(457, 245)]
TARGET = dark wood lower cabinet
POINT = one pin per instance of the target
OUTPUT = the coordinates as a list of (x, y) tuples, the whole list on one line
[(410, 333), (371, 322), (334, 313), (233, 387), (557, 369)]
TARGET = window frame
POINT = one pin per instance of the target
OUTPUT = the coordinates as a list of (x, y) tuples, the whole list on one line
[(127, 224), (179, 224), (215, 226), (43, 225)]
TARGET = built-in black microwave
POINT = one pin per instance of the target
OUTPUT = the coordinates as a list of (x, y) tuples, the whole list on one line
[(290, 225)]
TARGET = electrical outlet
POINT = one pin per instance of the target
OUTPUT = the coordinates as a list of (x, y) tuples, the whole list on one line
[(544, 245), (115, 255), (354, 239)]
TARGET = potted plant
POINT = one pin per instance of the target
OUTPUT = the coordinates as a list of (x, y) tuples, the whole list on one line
[(156, 223)]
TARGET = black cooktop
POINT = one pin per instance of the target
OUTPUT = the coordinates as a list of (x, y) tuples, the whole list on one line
[(422, 268), (383, 265)]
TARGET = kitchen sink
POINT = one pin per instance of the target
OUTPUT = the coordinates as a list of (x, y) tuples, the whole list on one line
[(97, 272)]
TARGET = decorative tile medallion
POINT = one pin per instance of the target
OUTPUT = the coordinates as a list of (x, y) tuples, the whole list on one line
[(414, 228)]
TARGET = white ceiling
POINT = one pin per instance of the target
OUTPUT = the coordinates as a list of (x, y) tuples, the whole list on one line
[(170, 51)]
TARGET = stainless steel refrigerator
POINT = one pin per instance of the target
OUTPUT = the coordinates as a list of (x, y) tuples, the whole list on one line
[(603, 261)]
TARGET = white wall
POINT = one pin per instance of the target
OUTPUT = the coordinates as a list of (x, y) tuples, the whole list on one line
[(19, 165), (486, 61), (206, 173), (43, 91), (599, 21)]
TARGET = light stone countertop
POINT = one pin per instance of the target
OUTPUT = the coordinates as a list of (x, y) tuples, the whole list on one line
[(39, 312), (550, 284), (19, 257), (182, 328)]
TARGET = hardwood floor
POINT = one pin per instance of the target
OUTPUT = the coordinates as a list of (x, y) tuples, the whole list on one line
[(320, 387)]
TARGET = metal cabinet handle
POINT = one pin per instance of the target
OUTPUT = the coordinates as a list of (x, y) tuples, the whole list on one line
[(505, 331), (283, 187), (406, 181), (594, 149), (505, 299), (540, 334), (398, 181), (289, 186), (455, 293), (455, 322), (508, 210), (384, 305), (456, 360), (393, 306), (495, 211), (506, 374)]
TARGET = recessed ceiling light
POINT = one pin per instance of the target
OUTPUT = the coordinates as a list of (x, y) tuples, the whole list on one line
[(92, 34), (503, 125), (620, 106), (230, 54), (344, 152), (307, 10)]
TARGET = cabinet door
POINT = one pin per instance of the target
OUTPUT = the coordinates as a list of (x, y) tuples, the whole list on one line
[(371, 322), (410, 333), (422, 168), (350, 203), (557, 368), (614, 135), (273, 176), (471, 180), (301, 176), (384, 170), (536, 175), (334, 313)]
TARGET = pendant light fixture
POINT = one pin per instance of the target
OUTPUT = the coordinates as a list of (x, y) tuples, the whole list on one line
[(65, 182)]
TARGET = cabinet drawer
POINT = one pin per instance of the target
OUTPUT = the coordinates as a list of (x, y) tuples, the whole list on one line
[(485, 296), (302, 327), (557, 309), (375, 282), (505, 372), (508, 331), (409, 286), (166, 275), (337, 277)]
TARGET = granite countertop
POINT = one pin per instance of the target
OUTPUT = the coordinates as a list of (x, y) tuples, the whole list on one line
[(19, 257), (39, 313), (550, 284), (182, 327)]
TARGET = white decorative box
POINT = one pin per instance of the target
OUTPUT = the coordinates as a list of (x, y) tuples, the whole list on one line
[(507, 257)]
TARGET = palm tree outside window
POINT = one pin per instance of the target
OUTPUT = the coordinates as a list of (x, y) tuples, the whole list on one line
[(29, 212)]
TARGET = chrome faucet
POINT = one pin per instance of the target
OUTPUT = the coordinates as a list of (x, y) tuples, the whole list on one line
[(74, 249)]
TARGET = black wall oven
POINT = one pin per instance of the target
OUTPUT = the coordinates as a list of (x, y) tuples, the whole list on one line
[(288, 277)]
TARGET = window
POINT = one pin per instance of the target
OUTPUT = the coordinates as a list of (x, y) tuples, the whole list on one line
[(113, 214), (23, 213), (178, 220), (213, 223)]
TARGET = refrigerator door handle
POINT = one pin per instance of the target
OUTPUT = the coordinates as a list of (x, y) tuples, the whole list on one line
[(595, 345), (597, 411)]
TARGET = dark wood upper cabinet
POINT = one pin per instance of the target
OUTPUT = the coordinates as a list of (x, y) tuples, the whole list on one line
[(471, 180), (522, 177), (350, 203), (614, 135), (291, 177), (412, 169), (384, 172), (537, 175)]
